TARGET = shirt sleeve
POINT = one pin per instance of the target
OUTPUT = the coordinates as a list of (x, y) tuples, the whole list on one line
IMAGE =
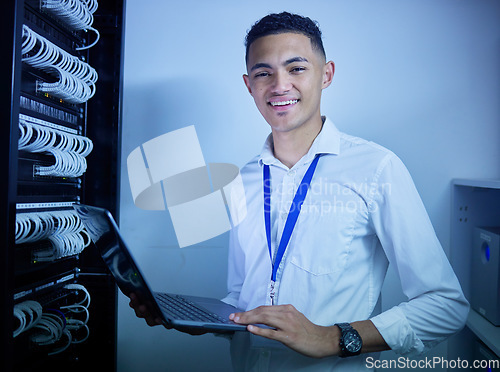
[(436, 307), (236, 269)]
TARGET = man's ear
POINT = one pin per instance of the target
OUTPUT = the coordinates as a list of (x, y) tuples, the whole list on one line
[(328, 73), (247, 83)]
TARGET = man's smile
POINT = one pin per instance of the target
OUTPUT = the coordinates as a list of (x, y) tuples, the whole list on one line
[(284, 103)]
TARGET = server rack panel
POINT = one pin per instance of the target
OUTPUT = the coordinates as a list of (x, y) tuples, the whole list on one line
[(61, 146)]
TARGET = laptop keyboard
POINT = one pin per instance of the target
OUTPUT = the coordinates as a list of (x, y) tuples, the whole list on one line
[(184, 309)]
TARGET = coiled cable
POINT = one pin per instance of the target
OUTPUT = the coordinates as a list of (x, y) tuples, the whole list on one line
[(63, 229), (76, 79), (69, 150), (49, 326), (28, 313), (77, 14)]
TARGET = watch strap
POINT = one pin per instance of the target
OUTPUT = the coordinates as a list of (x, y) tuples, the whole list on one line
[(345, 329)]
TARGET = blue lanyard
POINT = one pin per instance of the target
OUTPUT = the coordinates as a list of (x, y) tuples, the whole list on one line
[(293, 214)]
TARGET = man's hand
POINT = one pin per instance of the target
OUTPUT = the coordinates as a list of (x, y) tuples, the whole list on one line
[(291, 328), (142, 311)]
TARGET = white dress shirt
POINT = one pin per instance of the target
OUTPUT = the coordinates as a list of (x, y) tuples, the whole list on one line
[(362, 211)]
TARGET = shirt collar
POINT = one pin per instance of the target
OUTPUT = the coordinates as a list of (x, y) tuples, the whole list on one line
[(326, 142)]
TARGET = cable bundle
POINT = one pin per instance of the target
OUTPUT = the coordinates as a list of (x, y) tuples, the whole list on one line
[(51, 324), (76, 79), (74, 312), (35, 226), (63, 229), (77, 14), (50, 329), (64, 246), (28, 313), (68, 149)]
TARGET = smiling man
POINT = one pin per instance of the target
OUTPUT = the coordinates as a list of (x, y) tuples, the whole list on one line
[(326, 214), (285, 78)]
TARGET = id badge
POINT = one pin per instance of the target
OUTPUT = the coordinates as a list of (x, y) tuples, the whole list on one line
[(272, 292)]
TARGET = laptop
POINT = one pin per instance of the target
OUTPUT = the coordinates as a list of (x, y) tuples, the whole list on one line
[(175, 310)]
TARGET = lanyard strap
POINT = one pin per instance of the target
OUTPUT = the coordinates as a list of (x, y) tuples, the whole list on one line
[(293, 214)]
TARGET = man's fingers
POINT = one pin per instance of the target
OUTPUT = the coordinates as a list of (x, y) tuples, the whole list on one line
[(270, 333), (264, 313), (141, 311), (134, 302), (249, 317), (272, 316), (290, 327)]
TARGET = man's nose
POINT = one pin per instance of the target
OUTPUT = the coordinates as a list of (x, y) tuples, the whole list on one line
[(281, 83)]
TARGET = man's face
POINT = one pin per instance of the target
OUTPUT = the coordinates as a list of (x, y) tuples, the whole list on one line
[(285, 78)]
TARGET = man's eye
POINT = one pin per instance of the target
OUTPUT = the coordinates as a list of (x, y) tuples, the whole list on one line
[(261, 74), (298, 69)]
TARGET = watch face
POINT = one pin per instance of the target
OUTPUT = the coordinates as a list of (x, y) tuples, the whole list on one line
[(352, 342)]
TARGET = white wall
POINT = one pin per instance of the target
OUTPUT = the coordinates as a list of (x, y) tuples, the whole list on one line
[(421, 77)]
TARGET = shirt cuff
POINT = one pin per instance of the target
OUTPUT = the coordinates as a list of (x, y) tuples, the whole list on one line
[(231, 299), (397, 332)]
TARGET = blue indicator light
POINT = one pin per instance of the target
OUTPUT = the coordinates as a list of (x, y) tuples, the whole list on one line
[(487, 252)]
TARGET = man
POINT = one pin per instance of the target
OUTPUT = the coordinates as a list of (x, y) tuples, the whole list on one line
[(326, 214)]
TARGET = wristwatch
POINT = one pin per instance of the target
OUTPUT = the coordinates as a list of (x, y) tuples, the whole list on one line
[(350, 340)]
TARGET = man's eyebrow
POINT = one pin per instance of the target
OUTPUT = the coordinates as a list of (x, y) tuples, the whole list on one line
[(287, 62), (295, 59), (260, 65)]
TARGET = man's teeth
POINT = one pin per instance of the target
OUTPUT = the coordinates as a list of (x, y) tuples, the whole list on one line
[(283, 103)]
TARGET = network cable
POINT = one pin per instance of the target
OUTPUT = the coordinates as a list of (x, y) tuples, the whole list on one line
[(77, 14), (35, 226), (28, 313), (63, 229), (55, 326), (69, 150), (76, 79)]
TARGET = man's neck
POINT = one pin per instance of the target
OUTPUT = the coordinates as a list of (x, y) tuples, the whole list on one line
[(291, 146)]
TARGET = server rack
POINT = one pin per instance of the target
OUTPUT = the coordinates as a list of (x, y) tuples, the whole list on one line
[(27, 272)]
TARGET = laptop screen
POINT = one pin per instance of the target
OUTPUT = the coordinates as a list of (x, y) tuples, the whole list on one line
[(105, 234)]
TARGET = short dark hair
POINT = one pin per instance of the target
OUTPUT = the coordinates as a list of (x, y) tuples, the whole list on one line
[(278, 23)]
